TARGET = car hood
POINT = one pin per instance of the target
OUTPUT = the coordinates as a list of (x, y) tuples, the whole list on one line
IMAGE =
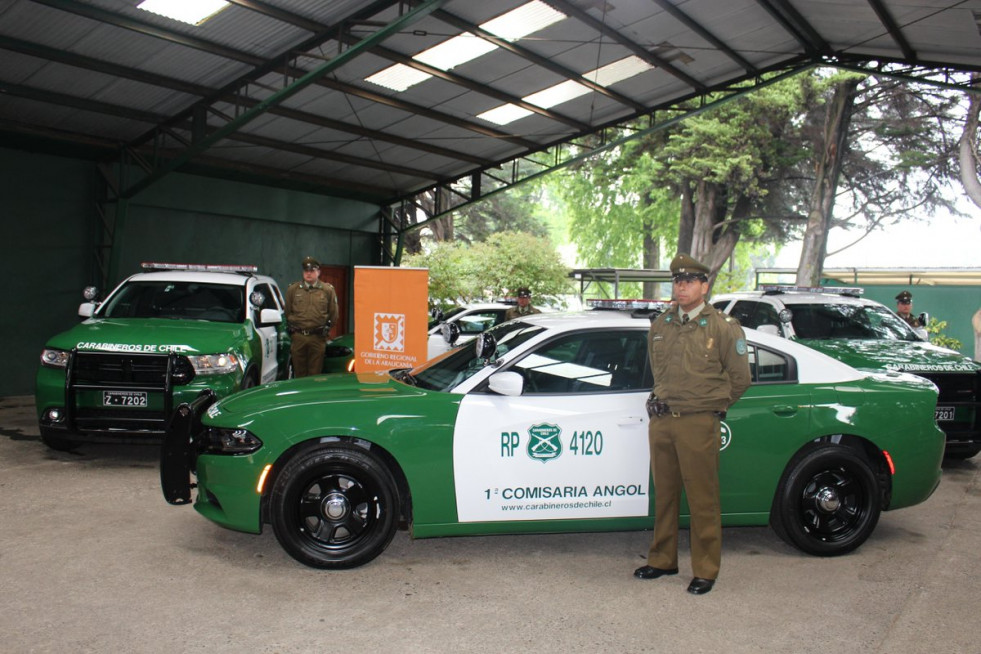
[(902, 356), (152, 335), (318, 389)]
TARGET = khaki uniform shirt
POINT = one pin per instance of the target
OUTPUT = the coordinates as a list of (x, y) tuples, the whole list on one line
[(701, 365), (911, 320), (517, 312), (311, 306)]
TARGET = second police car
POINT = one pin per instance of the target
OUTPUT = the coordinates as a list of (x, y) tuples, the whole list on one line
[(156, 341), (540, 426), (869, 336)]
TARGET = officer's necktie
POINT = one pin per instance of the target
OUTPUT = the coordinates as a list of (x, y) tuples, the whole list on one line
[(684, 319)]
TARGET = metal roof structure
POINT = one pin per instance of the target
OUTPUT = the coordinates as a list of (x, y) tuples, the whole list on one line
[(295, 93), (881, 276)]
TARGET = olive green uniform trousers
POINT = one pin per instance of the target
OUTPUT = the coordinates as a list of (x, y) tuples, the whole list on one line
[(685, 456), (308, 354)]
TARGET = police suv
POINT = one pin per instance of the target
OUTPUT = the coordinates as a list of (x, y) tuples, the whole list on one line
[(159, 339), (869, 336)]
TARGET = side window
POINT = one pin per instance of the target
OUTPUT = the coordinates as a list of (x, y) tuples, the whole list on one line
[(588, 362), (745, 311), (721, 305), (768, 367)]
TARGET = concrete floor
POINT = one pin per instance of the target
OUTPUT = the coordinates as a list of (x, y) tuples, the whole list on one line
[(93, 560)]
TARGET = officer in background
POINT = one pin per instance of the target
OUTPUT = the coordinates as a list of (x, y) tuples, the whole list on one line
[(311, 309), (698, 356), (904, 307), (524, 307)]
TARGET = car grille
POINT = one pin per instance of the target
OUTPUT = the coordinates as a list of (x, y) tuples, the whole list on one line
[(963, 392), (129, 369)]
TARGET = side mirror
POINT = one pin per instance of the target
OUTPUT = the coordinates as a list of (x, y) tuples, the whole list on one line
[(270, 317), (506, 383), (769, 329), (485, 346), (451, 332), (86, 309), (924, 318)]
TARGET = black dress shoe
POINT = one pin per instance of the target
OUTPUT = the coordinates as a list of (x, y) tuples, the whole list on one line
[(648, 572), (699, 586)]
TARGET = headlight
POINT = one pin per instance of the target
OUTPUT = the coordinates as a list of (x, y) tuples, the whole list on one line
[(52, 358), (231, 441), (214, 364)]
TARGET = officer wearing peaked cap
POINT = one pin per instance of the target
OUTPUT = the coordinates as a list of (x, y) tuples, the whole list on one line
[(904, 307), (311, 309), (524, 307), (699, 359)]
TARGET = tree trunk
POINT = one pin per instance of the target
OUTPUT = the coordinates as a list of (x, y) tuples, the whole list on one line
[(838, 118), (969, 162), (713, 235), (652, 260)]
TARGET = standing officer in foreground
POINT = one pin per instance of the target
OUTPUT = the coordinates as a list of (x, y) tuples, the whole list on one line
[(904, 307), (698, 356), (311, 308), (524, 307)]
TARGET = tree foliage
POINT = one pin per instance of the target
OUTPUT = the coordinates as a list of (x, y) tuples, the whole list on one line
[(462, 273)]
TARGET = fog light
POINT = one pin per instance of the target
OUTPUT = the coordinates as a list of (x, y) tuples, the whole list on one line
[(54, 415)]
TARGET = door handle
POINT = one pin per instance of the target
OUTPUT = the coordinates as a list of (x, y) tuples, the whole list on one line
[(784, 410), (630, 421)]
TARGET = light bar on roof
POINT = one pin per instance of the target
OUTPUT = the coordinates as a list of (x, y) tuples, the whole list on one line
[(513, 25), (194, 12)]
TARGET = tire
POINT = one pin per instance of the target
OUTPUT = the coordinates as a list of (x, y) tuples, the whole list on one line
[(334, 507), (828, 501), (248, 381), (964, 453), (58, 441)]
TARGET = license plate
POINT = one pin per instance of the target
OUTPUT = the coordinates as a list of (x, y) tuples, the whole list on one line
[(124, 398), (944, 413)]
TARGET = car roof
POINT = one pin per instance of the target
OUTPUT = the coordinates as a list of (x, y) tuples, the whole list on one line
[(229, 278), (796, 297)]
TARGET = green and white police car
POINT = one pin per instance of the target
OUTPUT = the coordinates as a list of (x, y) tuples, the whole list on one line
[(540, 426), (869, 336), (159, 339)]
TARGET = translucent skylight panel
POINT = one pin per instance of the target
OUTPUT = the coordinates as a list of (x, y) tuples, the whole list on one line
[(618, 71), (194, 12), (557, 94), (506, 113), (522, 21), (398, 77), (458, 50)]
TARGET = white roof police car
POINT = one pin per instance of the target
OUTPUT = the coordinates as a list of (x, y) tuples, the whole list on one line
[(159, 339), (868, 335)]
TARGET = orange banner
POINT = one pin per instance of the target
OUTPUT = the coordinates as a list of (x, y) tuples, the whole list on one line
[(390, 317)]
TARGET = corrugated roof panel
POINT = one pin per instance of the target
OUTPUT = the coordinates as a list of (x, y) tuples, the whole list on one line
[(16, 68)]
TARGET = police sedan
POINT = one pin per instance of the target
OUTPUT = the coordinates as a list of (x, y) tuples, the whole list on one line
[(540, 426)]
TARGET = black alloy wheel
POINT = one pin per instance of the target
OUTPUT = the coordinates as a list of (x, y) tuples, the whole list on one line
[(828, 502), (334, 507)]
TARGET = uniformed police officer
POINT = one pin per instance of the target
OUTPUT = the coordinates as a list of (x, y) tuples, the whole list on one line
[(698, 356), (311, 308), (904, 307), (524, 307)]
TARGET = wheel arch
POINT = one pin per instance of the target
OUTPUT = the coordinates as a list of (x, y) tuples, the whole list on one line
[(384, 456)]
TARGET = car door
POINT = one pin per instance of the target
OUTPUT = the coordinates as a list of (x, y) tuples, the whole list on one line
[(761, 431), (268, 334), (573, 445)]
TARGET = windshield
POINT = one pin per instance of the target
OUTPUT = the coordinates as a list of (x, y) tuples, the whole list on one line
[(849, 321), (446, 316), (456, 366), (177, 300)]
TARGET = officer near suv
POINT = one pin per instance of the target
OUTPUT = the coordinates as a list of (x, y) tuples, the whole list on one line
[(311, 309)]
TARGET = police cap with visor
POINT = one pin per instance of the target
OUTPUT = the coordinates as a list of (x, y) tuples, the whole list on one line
[(310, 263), (686, 269), (904, 297)]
